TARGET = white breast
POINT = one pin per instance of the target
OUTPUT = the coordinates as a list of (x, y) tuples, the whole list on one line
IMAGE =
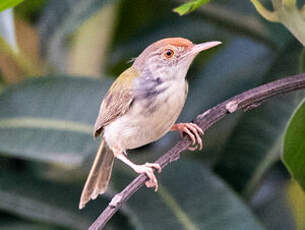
[(148, 119)]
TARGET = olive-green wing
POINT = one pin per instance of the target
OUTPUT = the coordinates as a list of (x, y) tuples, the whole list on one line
[(117, 100)]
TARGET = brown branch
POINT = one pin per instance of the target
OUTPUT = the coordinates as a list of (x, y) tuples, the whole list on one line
[(244, 101)]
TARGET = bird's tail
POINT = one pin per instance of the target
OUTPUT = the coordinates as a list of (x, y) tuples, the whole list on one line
[(99, 176)]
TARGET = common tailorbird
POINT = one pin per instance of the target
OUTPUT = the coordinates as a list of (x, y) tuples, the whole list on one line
[(140, 107)]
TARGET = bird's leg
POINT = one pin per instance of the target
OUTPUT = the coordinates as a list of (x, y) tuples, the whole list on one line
[(192, 130), (147, 168)]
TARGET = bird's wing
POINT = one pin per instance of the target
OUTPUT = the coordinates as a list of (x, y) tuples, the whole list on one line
[(117, 100)]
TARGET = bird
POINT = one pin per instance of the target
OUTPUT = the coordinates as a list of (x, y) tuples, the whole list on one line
[(140, 107)]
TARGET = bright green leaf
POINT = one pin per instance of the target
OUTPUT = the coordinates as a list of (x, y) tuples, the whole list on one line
[(189, 6), (294, 145), (5, 4)]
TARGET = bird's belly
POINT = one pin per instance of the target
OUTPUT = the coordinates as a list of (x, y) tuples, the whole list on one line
[(147, 120)]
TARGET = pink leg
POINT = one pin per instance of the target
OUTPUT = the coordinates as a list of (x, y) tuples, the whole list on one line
[(192, 130), (147, 168)]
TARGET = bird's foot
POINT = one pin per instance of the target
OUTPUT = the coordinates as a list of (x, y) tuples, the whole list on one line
[(148, 169), (193, 131)]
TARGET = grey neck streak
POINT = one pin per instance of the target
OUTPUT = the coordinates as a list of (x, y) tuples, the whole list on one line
[(148, 86)]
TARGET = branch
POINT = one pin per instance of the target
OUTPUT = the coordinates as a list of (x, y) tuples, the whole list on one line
[(244, 101)]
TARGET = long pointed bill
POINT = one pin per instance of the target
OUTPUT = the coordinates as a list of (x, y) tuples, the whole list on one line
[(203, 46)]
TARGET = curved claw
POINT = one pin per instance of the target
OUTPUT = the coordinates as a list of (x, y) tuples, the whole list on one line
[(193, 131), (148, 169)]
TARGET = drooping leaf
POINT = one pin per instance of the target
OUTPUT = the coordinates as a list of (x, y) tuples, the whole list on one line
[(5, 4), (189, 6), (50, 119), (190, 197), (294, 145)]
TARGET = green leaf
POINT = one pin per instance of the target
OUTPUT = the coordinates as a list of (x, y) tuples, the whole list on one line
[(50, 119), (5, 4), (37, 200), (190, 197), (24, 195), (189, 6), (294, 145), (59, 20)]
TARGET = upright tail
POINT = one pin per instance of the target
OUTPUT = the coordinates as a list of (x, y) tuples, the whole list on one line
[(99, 176)]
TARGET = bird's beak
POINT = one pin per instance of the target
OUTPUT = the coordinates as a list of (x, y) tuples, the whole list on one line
[(203, 46)]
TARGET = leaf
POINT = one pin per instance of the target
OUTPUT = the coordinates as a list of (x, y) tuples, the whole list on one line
[(294, 145), (5, 4), (59, 20), (296, 199), (23, 194), (83, 58), (50, 119), (189, 6), (191, 198)]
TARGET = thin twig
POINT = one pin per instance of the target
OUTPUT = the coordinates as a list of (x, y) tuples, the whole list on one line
[(244, 101)]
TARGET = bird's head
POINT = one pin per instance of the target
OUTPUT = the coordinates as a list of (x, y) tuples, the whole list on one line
[(170, 57)]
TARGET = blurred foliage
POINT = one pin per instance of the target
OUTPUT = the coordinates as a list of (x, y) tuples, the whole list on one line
[(46, 146)]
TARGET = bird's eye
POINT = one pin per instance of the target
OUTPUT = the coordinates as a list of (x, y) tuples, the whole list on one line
[(168, 53)]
